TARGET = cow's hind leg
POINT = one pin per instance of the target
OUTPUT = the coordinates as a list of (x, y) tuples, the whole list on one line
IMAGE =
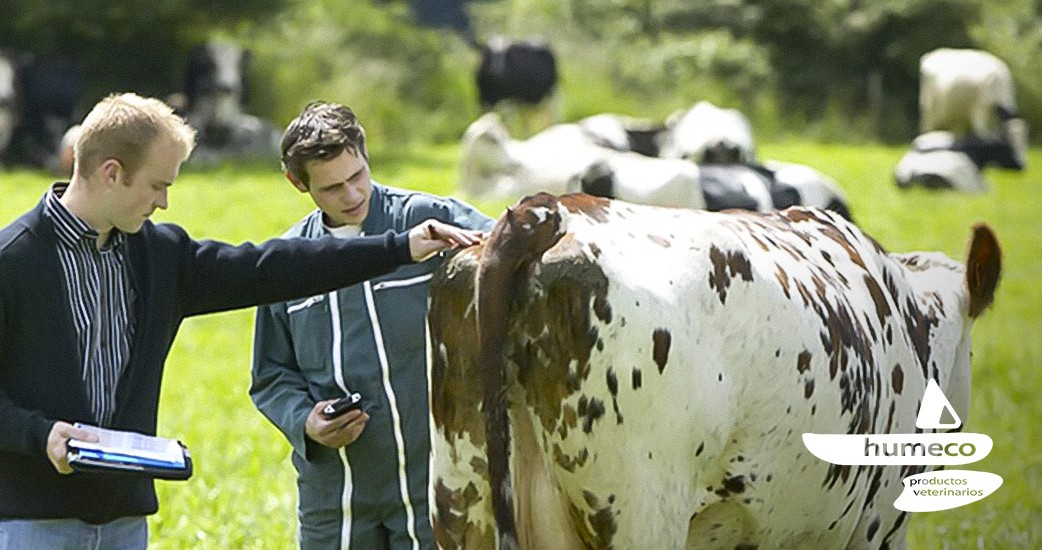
[(723, 524)]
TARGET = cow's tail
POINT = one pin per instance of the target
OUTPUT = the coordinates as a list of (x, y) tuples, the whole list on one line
[(525, 231)]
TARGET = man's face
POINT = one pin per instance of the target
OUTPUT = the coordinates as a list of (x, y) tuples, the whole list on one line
[(341, 187), (138, 195)]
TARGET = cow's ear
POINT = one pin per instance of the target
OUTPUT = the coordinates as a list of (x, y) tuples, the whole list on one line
[(983, 267)]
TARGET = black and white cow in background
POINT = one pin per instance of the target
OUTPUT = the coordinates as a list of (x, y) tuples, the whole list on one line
[(720, 142), (641, 377), (969, 121), (216, 89), (564, 158), (709, 134), (519, 78)]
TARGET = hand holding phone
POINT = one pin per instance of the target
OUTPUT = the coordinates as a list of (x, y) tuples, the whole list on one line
[(342, 405)]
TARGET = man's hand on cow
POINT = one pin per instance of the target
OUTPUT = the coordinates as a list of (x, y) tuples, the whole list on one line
[(58, 444), (433, 236), (334, 432)]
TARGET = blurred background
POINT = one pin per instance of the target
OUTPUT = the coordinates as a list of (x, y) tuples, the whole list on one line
[(834, 70)]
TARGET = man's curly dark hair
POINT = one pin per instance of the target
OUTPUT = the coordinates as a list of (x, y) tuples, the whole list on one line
[(322, 131)]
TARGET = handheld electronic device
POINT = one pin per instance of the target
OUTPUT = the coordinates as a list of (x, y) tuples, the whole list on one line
[(342, 405)]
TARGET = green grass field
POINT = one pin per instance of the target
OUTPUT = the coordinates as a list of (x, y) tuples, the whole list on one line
[(244, 496)]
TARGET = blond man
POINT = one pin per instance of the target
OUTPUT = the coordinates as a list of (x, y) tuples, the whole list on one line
[(91, 296)]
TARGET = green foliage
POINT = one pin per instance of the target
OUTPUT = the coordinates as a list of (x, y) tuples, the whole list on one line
[(405, 84), (839, 69), (119, 45)]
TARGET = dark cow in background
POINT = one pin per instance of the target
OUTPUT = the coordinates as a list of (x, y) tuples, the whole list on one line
[(641, 376), (519, 78), (47, 94), (8, 100), (216, 89)]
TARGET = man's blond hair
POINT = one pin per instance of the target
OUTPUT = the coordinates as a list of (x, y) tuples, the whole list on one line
[(124, 127)]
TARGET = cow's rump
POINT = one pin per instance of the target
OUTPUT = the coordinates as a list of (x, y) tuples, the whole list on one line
[(643, 376)]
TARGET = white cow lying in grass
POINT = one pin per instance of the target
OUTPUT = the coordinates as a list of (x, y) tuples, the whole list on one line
[(702, 134), (556, 160)]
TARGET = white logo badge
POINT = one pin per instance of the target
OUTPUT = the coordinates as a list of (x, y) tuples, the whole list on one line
[(928, 491)]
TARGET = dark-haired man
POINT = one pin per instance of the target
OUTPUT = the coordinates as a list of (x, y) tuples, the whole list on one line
[(362, 476)]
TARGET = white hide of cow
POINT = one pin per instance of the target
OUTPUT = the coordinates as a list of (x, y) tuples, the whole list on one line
[(939, 169), (815, 188), (959, 90), (649, 373), (552, 161), (706, 133)]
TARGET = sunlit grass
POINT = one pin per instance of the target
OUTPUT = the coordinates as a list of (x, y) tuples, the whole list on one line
[(244, 496)]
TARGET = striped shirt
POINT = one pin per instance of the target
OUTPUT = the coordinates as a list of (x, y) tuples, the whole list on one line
[(97, 284)]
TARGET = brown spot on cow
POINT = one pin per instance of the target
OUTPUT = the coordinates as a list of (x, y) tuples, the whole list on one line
[(878, 298), (451, 524), (597, 528), (725, 267), (808, 388), (661, 241), (917, 325), (660, 352), (602, 308), (783, 279), (594, 207), (570, 463), (636, 378), (897, 379), (803, 362)]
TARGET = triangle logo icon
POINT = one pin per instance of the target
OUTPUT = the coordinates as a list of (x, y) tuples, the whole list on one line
[(931, 411)]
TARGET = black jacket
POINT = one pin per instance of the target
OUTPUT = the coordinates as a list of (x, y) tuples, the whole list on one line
[(173, 277)]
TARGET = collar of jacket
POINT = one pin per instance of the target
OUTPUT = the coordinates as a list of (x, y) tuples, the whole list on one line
[(375, 221)]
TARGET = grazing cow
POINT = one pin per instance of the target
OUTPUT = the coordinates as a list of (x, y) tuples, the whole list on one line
[(519, 78), (708, 134), (216, 90), (557, 159), (970, 92), (523, 71), (8, 100), (646, 375)]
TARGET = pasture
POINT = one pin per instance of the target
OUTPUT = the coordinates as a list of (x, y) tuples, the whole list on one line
[(243, 493)]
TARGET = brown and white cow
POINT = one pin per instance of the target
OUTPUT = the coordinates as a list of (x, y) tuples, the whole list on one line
[(642, 376)]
